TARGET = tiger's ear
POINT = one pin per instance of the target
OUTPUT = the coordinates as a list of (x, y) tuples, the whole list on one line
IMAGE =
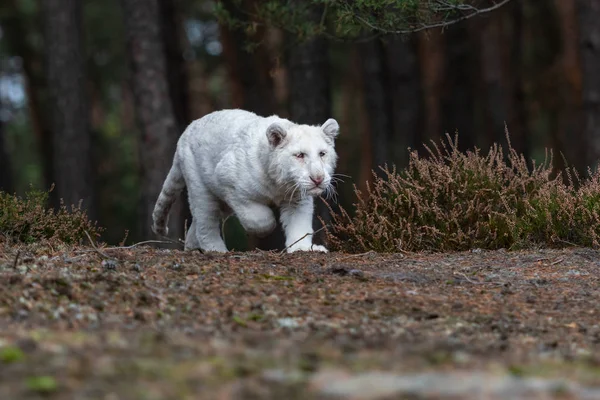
[(331, 128), (275, 134)]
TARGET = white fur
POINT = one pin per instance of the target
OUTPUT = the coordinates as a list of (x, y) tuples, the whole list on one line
[(233, 161)]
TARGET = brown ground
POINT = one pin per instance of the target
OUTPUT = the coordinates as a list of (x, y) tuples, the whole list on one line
[(143, 323)]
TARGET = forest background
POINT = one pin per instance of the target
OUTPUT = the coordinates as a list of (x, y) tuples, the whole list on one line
[(94, 94)]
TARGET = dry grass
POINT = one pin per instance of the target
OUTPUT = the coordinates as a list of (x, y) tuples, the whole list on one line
[(28, 220), (453, 200)]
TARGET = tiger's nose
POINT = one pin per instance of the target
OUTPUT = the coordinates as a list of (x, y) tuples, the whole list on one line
[(317, 180)]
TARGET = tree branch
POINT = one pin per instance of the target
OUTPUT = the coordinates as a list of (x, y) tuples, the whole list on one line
[(441, 24), (431, 14)]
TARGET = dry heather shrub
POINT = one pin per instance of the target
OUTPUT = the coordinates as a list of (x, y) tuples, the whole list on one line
[(457, 201), (585, 212), (28, 220)]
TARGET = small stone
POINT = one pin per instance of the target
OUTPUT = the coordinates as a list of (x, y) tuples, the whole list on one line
[(92, 317), (357, 273), (584, 353), (110, 265), (574, 272), (337, 269), (320, 381), (288, 322), (280, 376), (460, 357), (21, 315)]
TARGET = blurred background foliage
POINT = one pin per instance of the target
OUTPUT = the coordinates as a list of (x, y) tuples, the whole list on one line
[(150, 67)]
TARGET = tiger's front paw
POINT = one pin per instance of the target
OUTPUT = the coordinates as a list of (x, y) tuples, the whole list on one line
[(318, 247), (307, 247)]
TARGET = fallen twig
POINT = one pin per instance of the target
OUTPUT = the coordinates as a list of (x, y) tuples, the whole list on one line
[(138, 244), (185, 230), (127, 247), (96, 247), (223, 226), (552, 263), (477, 282), (16, 259), (178, 241), (303, 237), (467, 278), (82, 253), (564, 242), (357, 255)]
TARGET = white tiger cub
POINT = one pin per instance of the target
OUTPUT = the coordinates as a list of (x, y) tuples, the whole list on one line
[(234, 161)]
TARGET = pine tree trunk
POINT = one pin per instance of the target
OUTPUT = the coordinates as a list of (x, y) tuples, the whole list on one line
[(518, 123), (494, 94), (362, 172), (376, 95), (310, 97), (177, 74), (153, 108), (573, 144), (589, 15), (69, 104), (16, 33), (251, 85), (458, 100), (406, 98), (540, 62), (432, 61), (310, 92), (501, 76)]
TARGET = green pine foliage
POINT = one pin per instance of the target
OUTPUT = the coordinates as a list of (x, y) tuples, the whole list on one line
[(345, 19)]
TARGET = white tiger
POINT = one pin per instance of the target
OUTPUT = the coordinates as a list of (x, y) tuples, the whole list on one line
[(233, 161)]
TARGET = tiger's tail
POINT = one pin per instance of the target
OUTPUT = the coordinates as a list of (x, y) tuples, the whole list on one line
[(171, 189)]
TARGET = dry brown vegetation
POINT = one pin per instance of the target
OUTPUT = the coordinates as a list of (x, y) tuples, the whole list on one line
[(453, 200), (29, 220)]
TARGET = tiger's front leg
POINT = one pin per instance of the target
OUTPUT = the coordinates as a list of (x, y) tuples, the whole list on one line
[(256, 218), (296, 220)]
